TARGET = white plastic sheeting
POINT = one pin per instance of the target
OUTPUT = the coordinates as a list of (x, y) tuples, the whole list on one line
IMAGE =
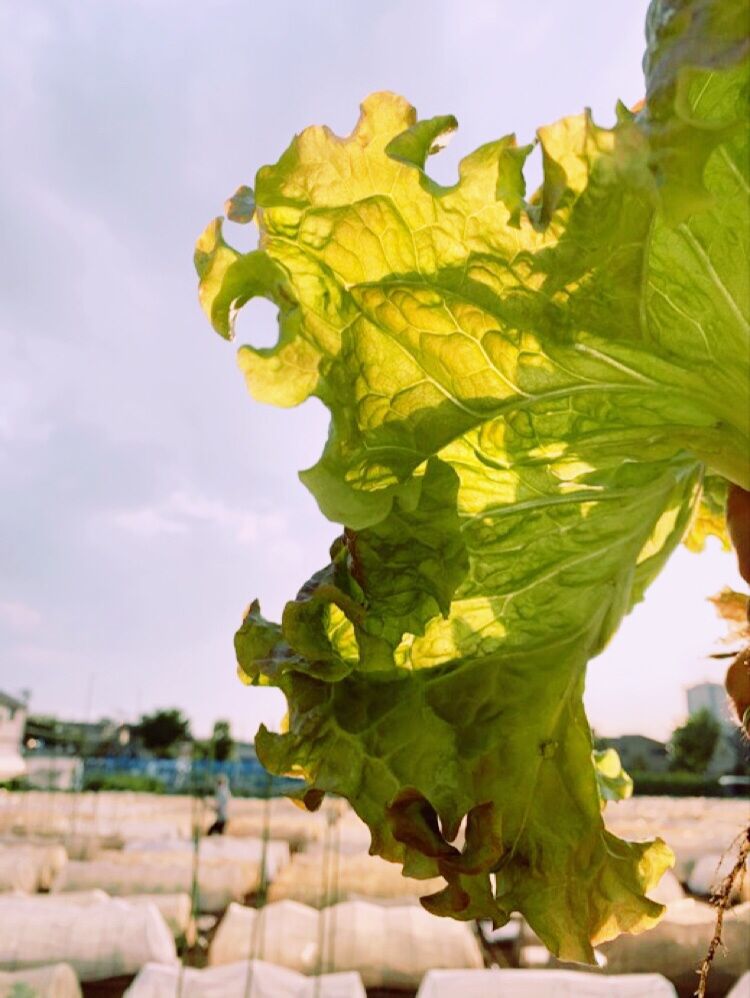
[(541, 984), (283, 819), (126, 874), (710, 870), (366, 876), (175, 909), (79, 898), (104, 939), (283, 933), (57, 981), (231, 981), (76, 846), (677, 944), (81, 846), (741, 988), (46, 858), (387, 946), (18, 873), (244, 850), (691, 826), (349, 836), (105, 814), (668, 889), (213, 871), (394, 947)]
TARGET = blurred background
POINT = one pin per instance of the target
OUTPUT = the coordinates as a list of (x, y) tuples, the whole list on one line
[(146, 499)]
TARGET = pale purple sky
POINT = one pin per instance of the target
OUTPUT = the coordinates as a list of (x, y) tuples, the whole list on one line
[(145, 498)]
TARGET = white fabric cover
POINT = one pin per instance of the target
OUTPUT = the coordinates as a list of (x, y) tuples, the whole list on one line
[(710, 870), (677, 944), (741, 988), (56, 981), (349, 835), (387, 946), (75, 846), (230, 981), (79, 898), (541, 984), (18, 873), (668, 889), (367, 876), (691, 826), (246, 850), (283, 819), (284, 933), (129, 874), (214, 871), (394, 947), (105, 813), (103, 939), (175, 909), (46, 858), (89, 846)]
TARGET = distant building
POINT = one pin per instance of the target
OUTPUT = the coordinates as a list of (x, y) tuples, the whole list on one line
[(12, 722), (54, 772), (713, 698), (50, 735), (638, 753)]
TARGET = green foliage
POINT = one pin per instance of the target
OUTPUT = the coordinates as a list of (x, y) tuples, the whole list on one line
[(693, 743), (16, 784), (675, 785), (163, 732), (524, 398), (219, 747), (222, 743), (135, 782), (613, 782)]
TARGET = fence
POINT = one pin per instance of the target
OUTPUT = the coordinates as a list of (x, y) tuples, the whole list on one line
[(247, 777)]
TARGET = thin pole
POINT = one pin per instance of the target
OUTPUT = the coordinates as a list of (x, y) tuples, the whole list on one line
[(196, 816), (257, 930), (334, 899), (77, 790), (330, 815)]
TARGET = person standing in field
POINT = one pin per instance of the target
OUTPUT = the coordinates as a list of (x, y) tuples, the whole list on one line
[(223, 796)]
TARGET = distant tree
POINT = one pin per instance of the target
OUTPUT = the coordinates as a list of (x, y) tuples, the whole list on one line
[(597, 740), (163, 731), (222, 742), (693, 744), (201, 749), (219, 747)]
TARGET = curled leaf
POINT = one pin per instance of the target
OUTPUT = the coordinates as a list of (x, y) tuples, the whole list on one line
[(525, 397)]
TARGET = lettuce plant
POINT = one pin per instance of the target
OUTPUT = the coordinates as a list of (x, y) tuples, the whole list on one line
[(528, 397)]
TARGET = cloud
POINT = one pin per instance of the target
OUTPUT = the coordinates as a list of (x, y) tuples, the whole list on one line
[(18, 616), (36, 654), (184, 511), (145, 497), (147, 521)]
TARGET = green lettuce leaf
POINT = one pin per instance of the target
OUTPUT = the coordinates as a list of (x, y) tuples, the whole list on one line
[(614, 783), (525, 397), (710, 518)]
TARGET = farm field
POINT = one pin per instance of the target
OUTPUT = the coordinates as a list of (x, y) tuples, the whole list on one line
[(112, 894)]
